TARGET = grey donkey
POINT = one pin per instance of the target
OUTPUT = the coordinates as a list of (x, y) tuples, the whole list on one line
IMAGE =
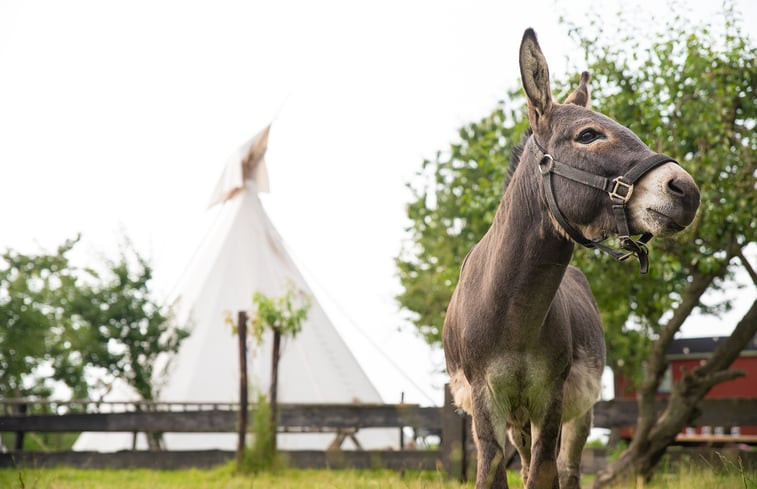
[(523, 341)]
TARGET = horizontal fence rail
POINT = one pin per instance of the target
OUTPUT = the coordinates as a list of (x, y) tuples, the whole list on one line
[(185, 459), (331, 417), (305, 417), (592, 460), (455, 453), (33, 405), (712, 412)]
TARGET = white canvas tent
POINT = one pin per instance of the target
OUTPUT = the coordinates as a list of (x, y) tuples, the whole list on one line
[(244, 254)]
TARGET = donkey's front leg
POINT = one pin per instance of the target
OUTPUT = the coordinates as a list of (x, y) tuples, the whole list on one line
[(542, 474), (490, 464)]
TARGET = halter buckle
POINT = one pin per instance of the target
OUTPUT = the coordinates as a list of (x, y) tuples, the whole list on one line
[(619, 184), (632, 246)]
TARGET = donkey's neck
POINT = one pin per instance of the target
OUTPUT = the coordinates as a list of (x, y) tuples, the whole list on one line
[(527, 255)]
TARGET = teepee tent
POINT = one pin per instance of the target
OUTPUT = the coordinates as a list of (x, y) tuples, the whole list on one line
[(243, 254)]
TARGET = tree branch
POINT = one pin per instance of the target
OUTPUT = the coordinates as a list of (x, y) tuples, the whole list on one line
[(726, 353), (717, 377), (694, 386), (747, 266)]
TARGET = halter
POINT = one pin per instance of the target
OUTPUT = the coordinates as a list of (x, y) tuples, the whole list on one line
[(619, 189)]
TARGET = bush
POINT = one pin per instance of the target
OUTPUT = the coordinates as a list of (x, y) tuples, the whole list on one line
[(261, 456)]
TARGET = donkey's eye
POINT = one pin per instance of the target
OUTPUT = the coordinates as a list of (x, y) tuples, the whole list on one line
[(588, 136)]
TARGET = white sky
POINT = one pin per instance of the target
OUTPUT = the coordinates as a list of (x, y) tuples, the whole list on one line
[(118, 117)]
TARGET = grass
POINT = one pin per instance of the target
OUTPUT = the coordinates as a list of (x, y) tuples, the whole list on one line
[(224, 478)]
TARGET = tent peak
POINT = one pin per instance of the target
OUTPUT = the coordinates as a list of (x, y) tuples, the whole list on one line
[(247, 164)]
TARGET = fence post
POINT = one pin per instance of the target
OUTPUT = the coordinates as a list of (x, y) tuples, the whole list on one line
[(273, 422), (402, 428), (23, 408), (453, 439), (242, 415)]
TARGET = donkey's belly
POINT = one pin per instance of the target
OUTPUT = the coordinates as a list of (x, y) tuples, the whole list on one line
[(582, 388)]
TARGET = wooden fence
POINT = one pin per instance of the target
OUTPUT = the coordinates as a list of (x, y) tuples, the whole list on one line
[(454, 454)]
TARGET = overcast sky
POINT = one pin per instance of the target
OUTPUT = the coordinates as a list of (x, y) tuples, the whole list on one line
[(117, 118)]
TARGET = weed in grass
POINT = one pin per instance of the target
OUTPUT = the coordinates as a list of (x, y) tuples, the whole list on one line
[(262, 455), (736, 466)]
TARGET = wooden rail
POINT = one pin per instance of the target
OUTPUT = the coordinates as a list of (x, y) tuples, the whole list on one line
[(185, 459), (34, 405), (713, 412), (592, 460), (455, 453), (300, 418), (331, 417)]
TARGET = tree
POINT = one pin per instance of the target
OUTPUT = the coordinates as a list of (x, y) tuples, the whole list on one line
[(126, 328), (58, 320), (123, 329), (689, 93), (36, 337), (283, 316)]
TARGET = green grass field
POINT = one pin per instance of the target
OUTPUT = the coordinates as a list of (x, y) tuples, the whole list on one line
[(224, 478)]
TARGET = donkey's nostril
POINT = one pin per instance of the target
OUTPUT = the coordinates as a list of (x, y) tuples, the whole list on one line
[(685, 192), (676, 187)]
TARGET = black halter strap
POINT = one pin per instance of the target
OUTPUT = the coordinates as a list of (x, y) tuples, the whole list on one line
[(619, 189)]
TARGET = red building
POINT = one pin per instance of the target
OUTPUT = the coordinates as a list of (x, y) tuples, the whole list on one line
[(685, 355)]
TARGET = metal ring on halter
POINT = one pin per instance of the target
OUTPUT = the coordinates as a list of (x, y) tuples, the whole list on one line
[(549, 166)]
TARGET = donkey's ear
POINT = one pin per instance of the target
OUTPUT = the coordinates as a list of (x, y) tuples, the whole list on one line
[(581, 94), (535, 76)]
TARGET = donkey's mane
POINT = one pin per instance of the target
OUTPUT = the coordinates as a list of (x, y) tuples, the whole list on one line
[(515, 153)]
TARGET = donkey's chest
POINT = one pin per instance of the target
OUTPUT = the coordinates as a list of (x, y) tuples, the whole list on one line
[(520, 385)]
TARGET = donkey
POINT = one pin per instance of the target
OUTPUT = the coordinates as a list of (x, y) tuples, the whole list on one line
[(522, 336)]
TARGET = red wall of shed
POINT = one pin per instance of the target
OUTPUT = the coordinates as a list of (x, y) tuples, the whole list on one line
[(741, 387)]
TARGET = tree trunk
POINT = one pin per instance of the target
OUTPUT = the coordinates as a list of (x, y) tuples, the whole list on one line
[(657, 364), (641, 458), (273, 424), (154, 438), (155, 441), (643, 454)]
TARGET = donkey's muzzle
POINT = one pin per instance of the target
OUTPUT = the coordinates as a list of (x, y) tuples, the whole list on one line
[(682, 190), (665, 201)]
